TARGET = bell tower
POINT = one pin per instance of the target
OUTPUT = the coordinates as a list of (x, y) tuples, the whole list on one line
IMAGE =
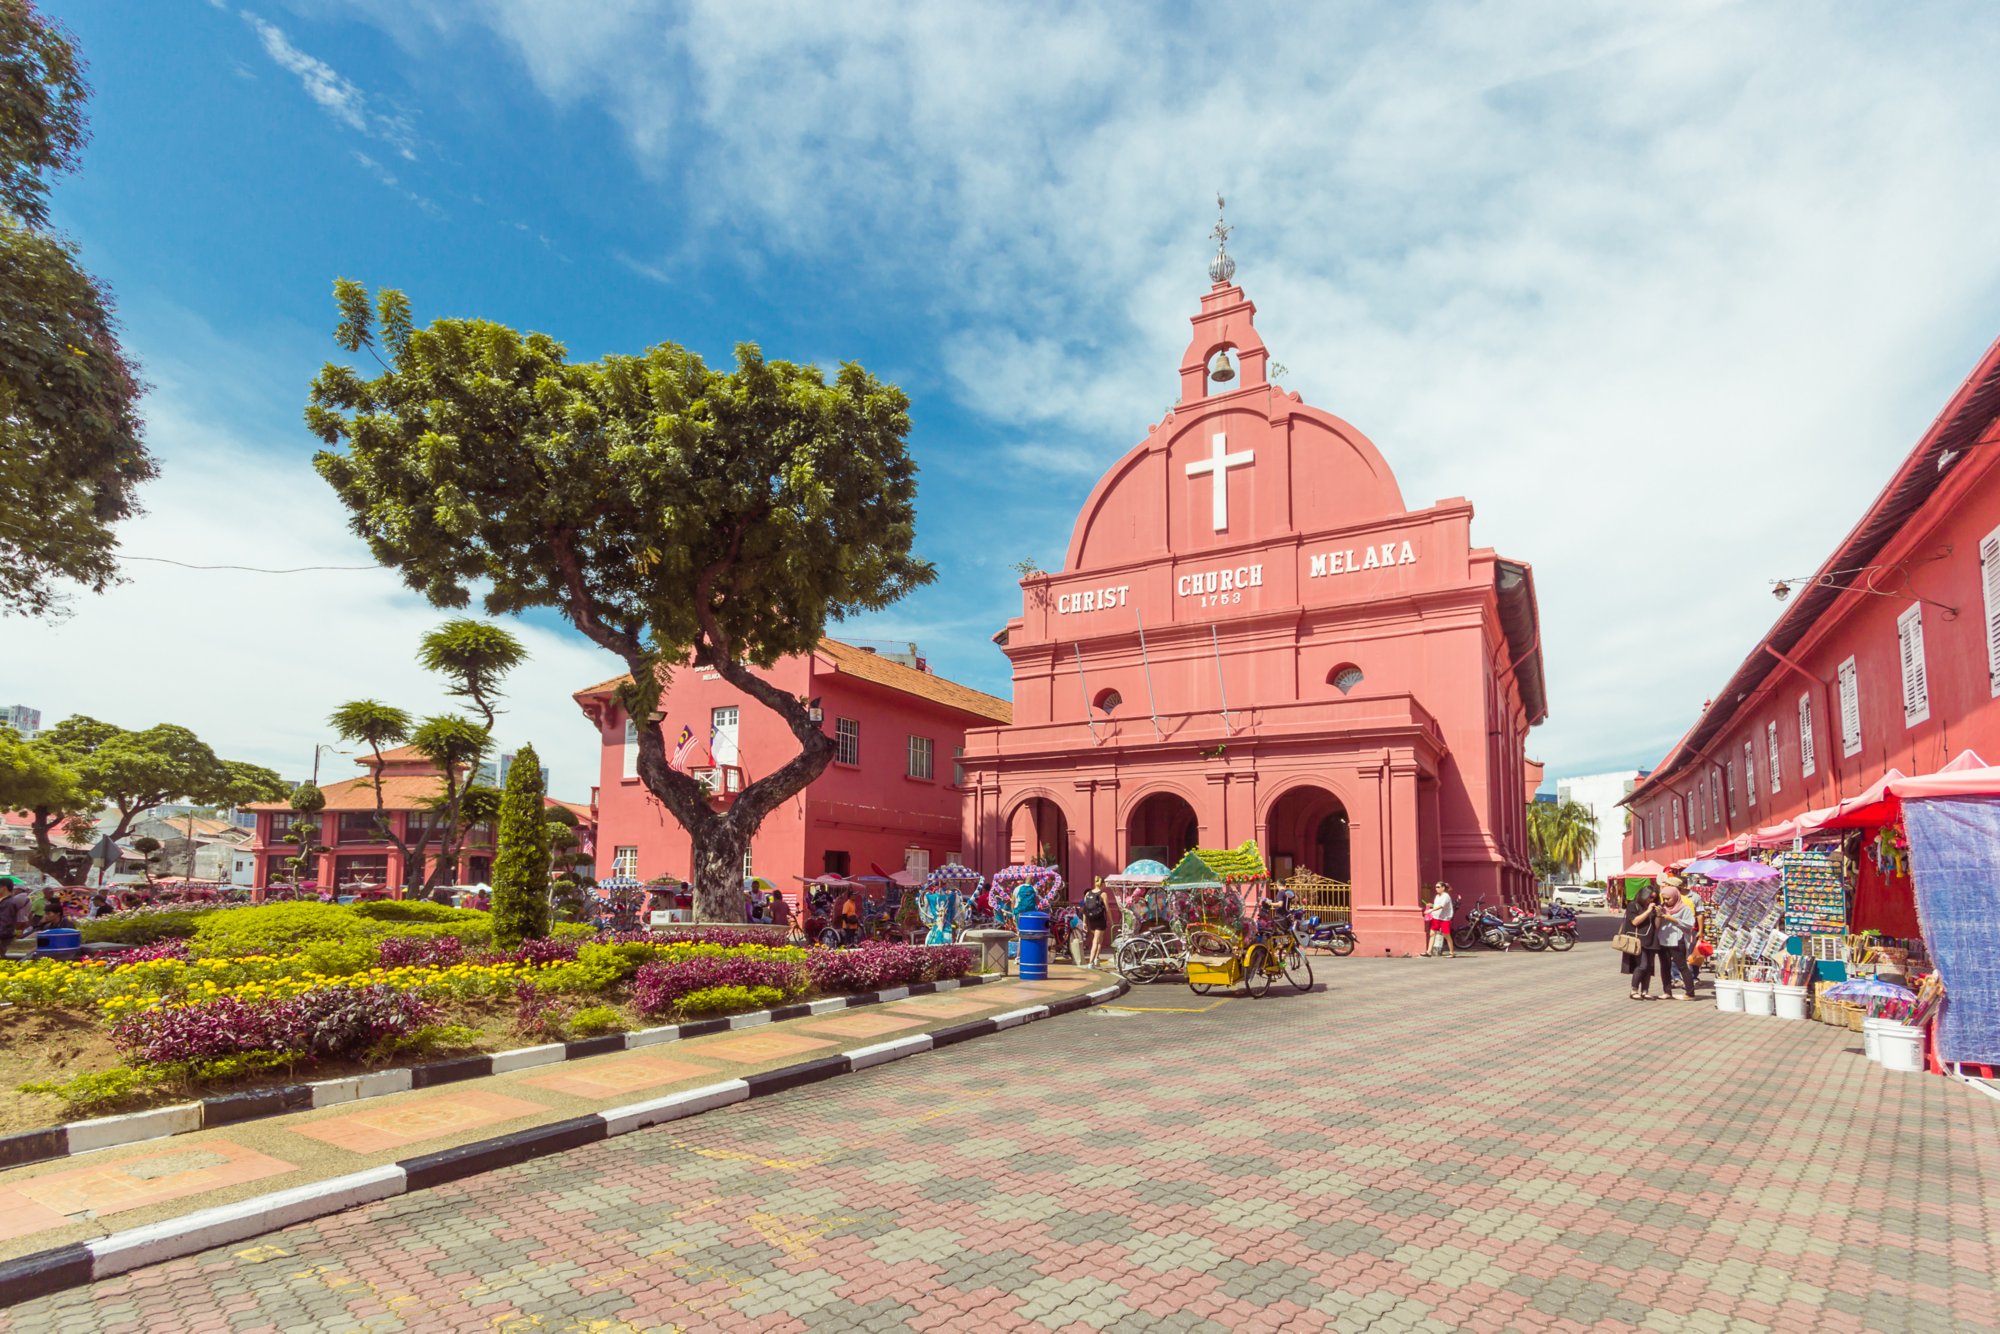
[(1226, 324)]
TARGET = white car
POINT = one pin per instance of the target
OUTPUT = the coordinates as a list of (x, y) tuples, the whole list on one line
[(1577, 896)]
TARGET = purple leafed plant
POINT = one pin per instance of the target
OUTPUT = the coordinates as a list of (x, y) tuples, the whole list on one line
[(881, 964), (329, 1021), (342, 1021), (421, 951), (175, 949), (201, 1032), (656, 987)]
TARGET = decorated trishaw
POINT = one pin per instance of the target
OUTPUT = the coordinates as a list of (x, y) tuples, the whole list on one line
[(1029, 888), (1238, 931), (945, 902), (1025, 888)]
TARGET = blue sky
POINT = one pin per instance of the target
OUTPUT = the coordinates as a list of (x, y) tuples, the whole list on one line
[(1603, 270)]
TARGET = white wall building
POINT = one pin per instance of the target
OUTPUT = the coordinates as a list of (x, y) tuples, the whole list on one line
[(1602, 793)]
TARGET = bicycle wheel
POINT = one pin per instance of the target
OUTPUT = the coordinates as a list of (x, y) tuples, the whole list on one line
[(1298, 968), (1199, 988), (1342, 946), (1140, 960), (830, 938), (1256, 971), (1562, 940)]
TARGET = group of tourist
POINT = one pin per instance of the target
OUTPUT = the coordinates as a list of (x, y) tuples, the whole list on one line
[(1662, 921)]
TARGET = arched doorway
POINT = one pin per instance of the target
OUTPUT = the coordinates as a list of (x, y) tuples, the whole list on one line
[(1308, 825), (1162, 827), (1038, 832)]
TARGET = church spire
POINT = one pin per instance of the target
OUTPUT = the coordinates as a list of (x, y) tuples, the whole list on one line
[(1222, 268)]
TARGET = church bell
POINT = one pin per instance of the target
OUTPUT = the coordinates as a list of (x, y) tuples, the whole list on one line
[(1221, 371)]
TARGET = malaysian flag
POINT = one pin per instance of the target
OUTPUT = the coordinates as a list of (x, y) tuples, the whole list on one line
[(682, 745)]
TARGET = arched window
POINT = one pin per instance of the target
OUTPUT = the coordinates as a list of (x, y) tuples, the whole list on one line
[(1107, 701), (1344, 678)]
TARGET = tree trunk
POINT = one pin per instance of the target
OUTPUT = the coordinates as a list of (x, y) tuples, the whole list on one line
[(718, 870)]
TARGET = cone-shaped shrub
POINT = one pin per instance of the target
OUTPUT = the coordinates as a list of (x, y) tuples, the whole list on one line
[(521, 864)]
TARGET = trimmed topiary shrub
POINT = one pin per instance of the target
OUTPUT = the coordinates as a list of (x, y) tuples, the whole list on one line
[(144, 926), (418, 910), (521, 863), (283, 928)]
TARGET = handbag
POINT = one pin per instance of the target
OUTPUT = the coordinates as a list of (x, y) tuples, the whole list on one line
[(1627, 942)]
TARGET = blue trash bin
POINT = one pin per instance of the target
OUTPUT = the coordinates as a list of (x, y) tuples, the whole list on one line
[(1034, 933), (60, 942)]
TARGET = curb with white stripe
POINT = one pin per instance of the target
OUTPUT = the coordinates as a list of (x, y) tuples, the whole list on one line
[(80, 1263), (40, 1146)]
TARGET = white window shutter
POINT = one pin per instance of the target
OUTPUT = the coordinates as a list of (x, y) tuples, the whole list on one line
[(1807, 760), (631, 769), (1749, 773), (1850, 708), (1677, 819), (1729, 784), (1989, 580), (1910, 648), (1771, 735)]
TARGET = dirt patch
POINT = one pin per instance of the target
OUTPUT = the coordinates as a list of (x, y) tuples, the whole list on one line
[(45, 1044)]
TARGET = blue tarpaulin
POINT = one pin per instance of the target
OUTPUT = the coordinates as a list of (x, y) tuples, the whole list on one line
[(1955, 863)]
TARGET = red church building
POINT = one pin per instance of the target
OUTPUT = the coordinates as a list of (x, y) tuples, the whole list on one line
[(1253, 637), (890, 799)]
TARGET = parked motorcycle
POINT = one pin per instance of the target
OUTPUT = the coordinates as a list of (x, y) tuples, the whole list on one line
[(1500, 931), (1335, 937)]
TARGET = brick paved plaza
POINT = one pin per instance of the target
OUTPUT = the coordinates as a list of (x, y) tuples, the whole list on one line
[(1500, 1142)]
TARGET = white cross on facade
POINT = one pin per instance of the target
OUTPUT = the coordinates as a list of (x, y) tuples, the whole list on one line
[(1219, 463)]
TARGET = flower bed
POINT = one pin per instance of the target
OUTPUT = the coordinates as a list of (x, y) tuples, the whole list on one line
[(241, 990)]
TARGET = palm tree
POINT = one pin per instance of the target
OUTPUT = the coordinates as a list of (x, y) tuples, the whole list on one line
[(473, 656), (375, 725), (1561, 835)]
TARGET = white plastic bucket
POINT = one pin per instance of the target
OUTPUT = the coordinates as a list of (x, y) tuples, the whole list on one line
[(1790, 1002), (1757, 998), (1871, 1032), (1900, 1047), (1729, 994)]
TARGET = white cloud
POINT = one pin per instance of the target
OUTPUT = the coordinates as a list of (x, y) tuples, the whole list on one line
[(255, 662), (334, 93), (1664, 288)]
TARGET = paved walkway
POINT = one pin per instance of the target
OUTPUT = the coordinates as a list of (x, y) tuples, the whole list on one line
[(90, 1195), (1498, 1142)]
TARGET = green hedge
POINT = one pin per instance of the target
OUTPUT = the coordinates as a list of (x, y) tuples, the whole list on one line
[(144, 928), (281, 928)]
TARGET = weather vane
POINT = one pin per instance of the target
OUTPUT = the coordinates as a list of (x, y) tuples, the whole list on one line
[(1222, 268)]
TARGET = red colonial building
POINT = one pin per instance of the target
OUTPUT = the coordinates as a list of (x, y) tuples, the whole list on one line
[(889, 800), (357, 853), (1888, 658)]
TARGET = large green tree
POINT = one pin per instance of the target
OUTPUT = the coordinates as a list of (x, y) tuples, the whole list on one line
[(71, 453), (34, 777), (521, 859), (137, 772), (672, 512)]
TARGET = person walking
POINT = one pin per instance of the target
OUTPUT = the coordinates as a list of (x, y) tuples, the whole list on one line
[(1096, 911), (850, 919), (1675, 934), (16, 912), (1438, 917), (1640, 915)]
